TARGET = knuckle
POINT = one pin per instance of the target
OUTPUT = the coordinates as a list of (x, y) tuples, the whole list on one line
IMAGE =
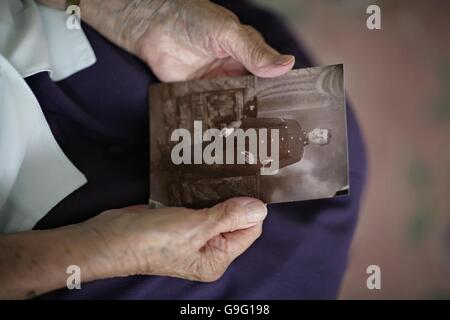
[(218, 213), (232, 31), (252, 32), (203, 221), (236, 30), (256, 53), (202, 214), (230, 215)]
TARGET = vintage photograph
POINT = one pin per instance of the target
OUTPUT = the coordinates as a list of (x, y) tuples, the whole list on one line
[(294, 145)]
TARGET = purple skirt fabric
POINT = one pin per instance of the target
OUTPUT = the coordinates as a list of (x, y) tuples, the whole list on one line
[(99, 117)]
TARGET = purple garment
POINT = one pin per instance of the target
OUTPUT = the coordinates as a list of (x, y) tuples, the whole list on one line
[(99, 118)]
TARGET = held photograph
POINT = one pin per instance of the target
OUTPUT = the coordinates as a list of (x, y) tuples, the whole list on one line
[(280, 139)]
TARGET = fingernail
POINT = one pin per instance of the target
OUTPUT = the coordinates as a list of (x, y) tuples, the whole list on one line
[(256, 211), (283, 60)]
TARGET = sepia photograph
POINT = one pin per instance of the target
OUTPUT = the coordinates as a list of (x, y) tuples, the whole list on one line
[(279, 140)]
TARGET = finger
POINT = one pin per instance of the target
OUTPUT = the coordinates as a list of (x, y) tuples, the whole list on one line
[(220, 251), (235, 214), (247, 46), (240, 240), (227, 67), (233, 68)]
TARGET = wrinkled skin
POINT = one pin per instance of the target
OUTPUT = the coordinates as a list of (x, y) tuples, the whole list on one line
[(185, 39), (204, 40), (190, 244)]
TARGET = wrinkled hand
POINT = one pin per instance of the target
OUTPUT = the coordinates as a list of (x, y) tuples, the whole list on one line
[(185, 39), (178, 242), (199, 39)]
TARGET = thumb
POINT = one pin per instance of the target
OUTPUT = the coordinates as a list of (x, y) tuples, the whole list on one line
[(236, 214), (247, 46)]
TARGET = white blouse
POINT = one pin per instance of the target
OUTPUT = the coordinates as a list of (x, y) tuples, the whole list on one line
[(35, 174)]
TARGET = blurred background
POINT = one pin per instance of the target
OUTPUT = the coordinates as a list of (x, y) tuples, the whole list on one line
[(398, 79)]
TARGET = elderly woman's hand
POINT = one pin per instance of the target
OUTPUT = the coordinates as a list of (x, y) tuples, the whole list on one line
[(185, 39), (189, 244)]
